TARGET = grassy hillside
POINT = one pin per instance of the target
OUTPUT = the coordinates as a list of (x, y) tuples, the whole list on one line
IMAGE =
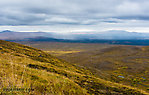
[(26, 70), (122, 64)]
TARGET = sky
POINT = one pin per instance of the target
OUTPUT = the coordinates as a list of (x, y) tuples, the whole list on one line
[(74, 15)]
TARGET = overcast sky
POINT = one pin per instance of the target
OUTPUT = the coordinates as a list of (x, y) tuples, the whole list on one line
[(74, 15)]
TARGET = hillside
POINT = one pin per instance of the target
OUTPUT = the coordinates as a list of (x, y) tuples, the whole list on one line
[(122, 64), (26, 70)]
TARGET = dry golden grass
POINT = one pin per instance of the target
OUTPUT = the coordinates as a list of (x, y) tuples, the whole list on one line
[(59, 53), (40, 73)]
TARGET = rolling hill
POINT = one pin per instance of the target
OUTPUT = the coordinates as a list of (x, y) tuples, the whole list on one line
[(118, 63), (27, 70)]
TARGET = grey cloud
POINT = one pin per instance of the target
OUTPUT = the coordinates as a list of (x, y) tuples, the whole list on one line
[(72, 12), (133, 17)]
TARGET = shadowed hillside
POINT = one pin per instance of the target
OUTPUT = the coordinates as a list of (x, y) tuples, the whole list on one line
[(36, 72)]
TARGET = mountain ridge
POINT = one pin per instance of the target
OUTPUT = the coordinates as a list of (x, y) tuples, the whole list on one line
[(106, 35), (117, 37)]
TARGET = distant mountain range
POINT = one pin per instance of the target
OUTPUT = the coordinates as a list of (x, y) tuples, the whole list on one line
[(108, 37), (111, 35), (12, 35)]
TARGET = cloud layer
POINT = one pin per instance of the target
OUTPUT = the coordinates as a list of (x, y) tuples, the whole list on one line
[(99, 13)]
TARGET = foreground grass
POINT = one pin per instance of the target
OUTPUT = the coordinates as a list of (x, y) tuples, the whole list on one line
[(41, 73), (16, 78)]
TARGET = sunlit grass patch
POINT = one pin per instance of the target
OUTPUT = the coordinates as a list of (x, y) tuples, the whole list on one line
[(59, 52)]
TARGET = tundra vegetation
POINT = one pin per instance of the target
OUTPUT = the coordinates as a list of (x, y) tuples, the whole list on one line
[(27, 70), (123, 64)]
